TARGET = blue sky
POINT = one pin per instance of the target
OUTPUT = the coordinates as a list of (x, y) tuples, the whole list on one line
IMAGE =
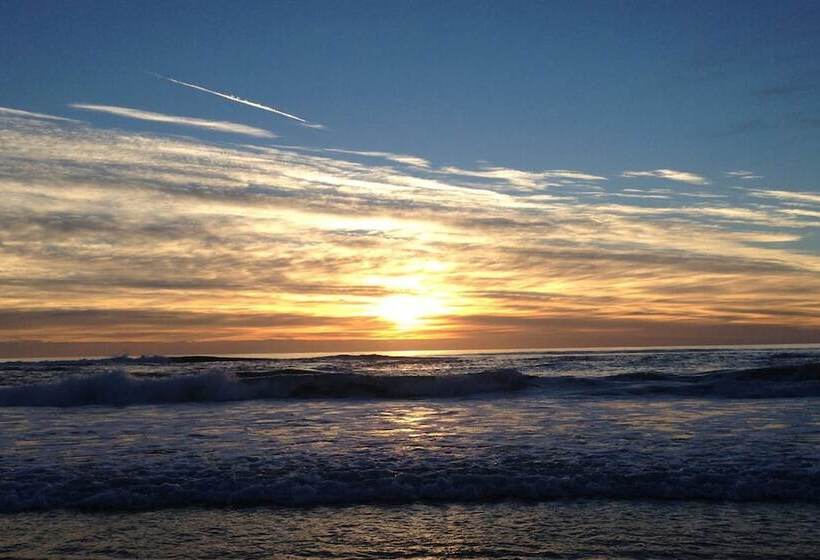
[(530, 174), (602, 86)]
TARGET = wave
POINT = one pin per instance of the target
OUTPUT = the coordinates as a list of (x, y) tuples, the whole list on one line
[(119, 389), (790, 381), (321, 481)]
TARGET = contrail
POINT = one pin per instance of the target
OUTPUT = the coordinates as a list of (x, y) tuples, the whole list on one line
[(236, 99)]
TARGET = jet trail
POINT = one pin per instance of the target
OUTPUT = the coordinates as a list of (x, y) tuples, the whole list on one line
[(236, 99)]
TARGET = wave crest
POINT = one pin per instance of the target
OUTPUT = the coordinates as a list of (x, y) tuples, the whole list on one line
[(118, 388)]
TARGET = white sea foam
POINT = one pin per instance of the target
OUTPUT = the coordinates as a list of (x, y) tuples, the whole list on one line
[(254, 481)]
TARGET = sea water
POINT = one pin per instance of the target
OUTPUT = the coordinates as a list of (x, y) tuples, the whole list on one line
[(614, 454)]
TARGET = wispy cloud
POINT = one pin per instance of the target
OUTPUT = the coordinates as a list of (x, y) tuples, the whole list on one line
[(5, 111), (403, 159), (792, 196), (236, 99), (218, 126), (198, 241), (801, 212), (742, 174), (671, 175), (522, 179)]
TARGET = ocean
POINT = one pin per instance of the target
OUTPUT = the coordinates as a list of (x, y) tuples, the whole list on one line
[(645, 453)]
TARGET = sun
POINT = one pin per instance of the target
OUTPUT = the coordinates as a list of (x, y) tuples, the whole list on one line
[(406, 312)]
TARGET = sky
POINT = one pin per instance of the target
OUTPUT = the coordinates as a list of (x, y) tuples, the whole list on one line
[(246, 177)]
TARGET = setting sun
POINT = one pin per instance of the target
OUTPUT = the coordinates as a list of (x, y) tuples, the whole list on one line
[(405, 311)]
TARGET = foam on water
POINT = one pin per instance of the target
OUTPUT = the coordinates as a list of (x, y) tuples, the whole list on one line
[(254, 481)]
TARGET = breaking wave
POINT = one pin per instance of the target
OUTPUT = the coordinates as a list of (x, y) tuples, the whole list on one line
[(771, 382), (119, 389)]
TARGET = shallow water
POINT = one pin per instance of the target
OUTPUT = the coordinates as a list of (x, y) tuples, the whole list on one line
[(563, 529)]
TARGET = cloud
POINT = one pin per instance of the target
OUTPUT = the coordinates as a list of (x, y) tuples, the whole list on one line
[(790, 196), (528, 180), (217, 126), (403, 159), (5, 111), (236, 99), (741, 174), (801, 212), (192, 240), (670, 174), (658, 194)]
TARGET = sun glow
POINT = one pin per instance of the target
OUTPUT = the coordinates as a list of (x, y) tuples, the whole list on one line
[(406, 311)]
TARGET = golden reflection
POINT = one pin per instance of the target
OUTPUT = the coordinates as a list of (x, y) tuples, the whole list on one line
[(412, 422)]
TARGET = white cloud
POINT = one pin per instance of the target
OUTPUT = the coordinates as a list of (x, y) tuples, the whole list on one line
[(763, 237), (801, 212), (524, 179), (404, 159), (218, 126), (742, 174), (670, 174), (796, 196), (5, 111)]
